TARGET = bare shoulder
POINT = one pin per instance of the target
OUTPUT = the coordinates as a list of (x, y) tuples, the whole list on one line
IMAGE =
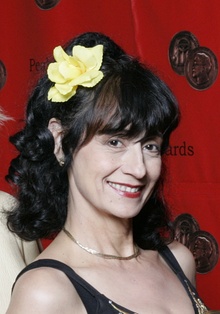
[(44, 290), (185, 259)]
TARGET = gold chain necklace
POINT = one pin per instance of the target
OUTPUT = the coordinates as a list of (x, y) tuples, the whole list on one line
[(106, 256)]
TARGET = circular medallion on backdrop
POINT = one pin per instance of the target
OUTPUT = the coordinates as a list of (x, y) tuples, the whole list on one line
[(184, 225), (180, 46), (202, 244), (205, 251), (201, 68), (46, 4), (3, 74)]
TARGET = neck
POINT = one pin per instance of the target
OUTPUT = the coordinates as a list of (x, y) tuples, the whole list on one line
[(88, 224), (100, 254)]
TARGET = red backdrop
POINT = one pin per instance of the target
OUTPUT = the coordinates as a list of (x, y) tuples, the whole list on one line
[(144, 28)]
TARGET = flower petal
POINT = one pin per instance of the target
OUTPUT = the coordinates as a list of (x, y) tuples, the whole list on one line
[(54, 73), (88, 79), (93, 81), (55, 96), (91, 57), (63, 88), (60, 55), (69, 71)]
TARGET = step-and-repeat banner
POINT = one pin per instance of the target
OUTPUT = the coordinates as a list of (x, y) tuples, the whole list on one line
[(181, 41)]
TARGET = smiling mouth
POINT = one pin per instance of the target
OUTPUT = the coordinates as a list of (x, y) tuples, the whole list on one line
[(125, 188)]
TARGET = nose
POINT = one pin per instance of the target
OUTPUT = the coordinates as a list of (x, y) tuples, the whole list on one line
[(133, 162)]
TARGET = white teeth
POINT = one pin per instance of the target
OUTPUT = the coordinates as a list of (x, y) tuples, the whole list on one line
[(124, 188)]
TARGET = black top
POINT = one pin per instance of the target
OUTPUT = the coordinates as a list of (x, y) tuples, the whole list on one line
[(97, 303)]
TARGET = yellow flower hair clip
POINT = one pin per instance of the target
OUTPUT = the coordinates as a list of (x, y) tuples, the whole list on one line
[(68, 72)]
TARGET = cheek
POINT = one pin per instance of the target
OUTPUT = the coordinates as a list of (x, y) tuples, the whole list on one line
[(104, 164), (155, 169)]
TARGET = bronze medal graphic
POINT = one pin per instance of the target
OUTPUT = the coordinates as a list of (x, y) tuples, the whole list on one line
[(205, 251), (46, 4), (185, 225), (181, 44), (201, 68), (3, 74)]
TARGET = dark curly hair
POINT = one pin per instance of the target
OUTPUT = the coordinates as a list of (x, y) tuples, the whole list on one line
[(130, 94)]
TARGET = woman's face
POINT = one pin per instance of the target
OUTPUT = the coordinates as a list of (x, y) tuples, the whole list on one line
[(114, 175)]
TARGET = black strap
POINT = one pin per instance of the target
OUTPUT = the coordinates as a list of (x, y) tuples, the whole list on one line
[(168, 256), (86, 292), (94, 301)]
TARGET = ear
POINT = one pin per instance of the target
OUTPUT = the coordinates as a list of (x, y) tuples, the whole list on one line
[(56, 129)]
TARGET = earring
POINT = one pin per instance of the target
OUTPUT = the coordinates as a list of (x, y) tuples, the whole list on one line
[(61, 162)]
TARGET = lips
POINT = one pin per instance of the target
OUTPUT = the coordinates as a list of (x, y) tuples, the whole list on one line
[(126, 190)]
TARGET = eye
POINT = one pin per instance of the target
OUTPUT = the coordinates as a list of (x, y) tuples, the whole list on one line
[(115, 143), (152, 148)]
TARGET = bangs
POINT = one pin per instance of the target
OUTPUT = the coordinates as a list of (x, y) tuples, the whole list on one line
[(133, 102)]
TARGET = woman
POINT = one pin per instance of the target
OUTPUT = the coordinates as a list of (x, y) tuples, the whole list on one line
[(89, 172), (15, 253)]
